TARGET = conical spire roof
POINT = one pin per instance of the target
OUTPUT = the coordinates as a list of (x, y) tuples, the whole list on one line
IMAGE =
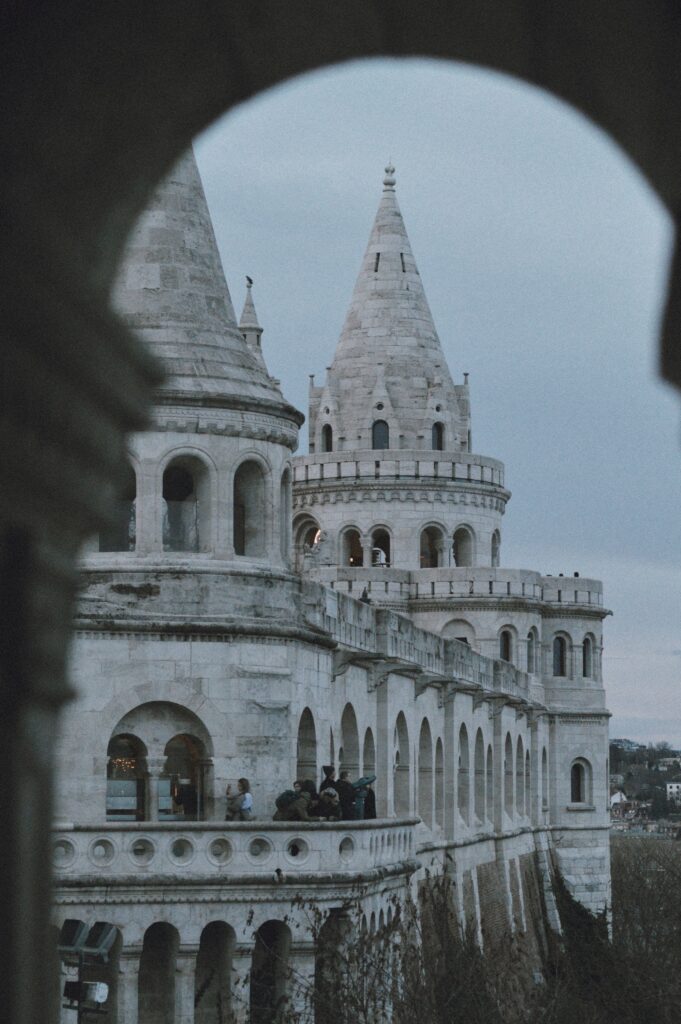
[(172, 291), (389, 335), (249, 317)]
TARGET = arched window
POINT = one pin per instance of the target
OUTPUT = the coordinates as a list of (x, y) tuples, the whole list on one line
[(249, 510), (327, 438), (425, 807), (157, 971), (186, 506), (580, 781), (587, 657), (439, 783), (528, 784), (459, 629), (285, 514), (401, 766), (431, 547), (350, 742), (462, 547), (506, 645), (532, 651), (508, 775), (380, 435), (269, 972), (307, 535), (438, 437), (489, 783), (125, 775), (559, 656), (479, 777), (463, 777), (181, 786), (212, 987), (519, 777), (352, 551), (496, 548), (380, 548), (306, 750), (368, 754), (120, 534), (544, 780)]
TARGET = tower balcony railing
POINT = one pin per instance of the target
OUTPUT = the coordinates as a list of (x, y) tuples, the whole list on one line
[(394, 465), (230, 851), (393, 586)]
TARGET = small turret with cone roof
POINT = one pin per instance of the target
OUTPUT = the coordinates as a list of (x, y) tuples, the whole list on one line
[(249, 325), (389, 345)]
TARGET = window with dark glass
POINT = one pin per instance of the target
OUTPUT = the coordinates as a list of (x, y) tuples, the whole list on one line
[(380, 435), (438, 437)]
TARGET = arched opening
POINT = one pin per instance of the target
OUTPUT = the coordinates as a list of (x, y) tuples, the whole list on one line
[(463, 547), (425, 774), (439, 784), (580, 781), (519, 777), (121, 532), (459, 629), (506, 645), (307, 536), (156, 982), (587, 657), (479, 784), (431, 547), (489, 784), (532, 651), (352, 552), (559, 656), (380, 547), (327, 438), (463, 784), (186, 505), (544, 780), (212, 980), (368, 754), (306, 750), (528, 784), (350, 742), (249, 510), (270, 973), (496, 549), (125, 779), (181, 786), (508, 775), (437, 440), (380, 435), (285, 514), (332, 963), (401, 787)]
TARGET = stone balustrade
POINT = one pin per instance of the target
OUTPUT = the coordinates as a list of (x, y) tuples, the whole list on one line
[(230, 850), (390, 465)]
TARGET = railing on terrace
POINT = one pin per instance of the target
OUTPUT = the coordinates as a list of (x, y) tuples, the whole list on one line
[(410, 464), (220, 850)]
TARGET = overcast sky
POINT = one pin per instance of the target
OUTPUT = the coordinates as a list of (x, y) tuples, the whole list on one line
[(544, 255)]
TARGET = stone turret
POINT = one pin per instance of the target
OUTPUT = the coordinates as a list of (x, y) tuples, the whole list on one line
[(249, 325), (389, 365)]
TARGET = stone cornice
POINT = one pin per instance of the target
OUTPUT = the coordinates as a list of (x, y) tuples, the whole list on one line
[(253, 419), (430, 490), (267, 631)]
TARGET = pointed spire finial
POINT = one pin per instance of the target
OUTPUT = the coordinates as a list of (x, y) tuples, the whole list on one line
[(389, 180), (249, 317)]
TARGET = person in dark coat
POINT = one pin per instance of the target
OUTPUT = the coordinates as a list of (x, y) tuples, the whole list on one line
[(370, 803), (329, 780), (346, 795)]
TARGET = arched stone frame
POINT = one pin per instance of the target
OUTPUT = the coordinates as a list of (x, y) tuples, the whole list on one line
[(561, 655), (489, 784), (439, 783), (528, 783), (184, 774), (438, 435), (463, 777), (213, 973), (326, 438), (270, 973), (508, 775), (533, 655), (581, 782), (460, 629), (401, 767), (464, 544), (121, 534), (544, 780), (495, 554), (126, 775), (588, 657), (425, 774), (380, 433), (306, 535), (254, 472), (519, 776), (432, 545), (479, 780), (157, 972), (285, 517), (368, 753), (332, 951), (349, 742), (200, 464), (507, 643), (306, 747), (350, 546), (381, 540)]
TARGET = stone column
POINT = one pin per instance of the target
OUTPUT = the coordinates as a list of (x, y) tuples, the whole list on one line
[(535, 771), (149, 509), (366, 550), (449, 751), (384, 768), (185, 971), (301, 981), (127, 983), (155, 766), (499, 772), (242, 961)]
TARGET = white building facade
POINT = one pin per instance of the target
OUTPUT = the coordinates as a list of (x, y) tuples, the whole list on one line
[(251, 613)]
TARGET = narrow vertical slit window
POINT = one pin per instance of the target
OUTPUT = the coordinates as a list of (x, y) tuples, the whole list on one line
[(376, 262), (404, 269)]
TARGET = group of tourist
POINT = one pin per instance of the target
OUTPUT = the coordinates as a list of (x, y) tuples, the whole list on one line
[(337, 799)]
